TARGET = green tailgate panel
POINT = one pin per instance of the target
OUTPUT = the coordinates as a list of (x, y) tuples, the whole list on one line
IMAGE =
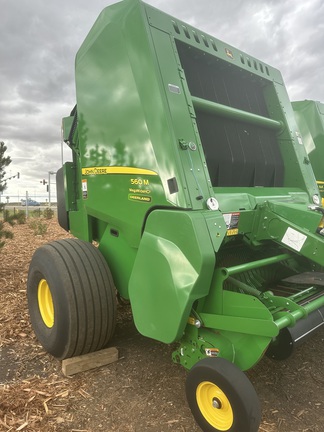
[(173, 268), (310, 119)]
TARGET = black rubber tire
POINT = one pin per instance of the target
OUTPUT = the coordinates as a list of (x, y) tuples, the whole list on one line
[(235, 385), (83, 295), (62, 214)]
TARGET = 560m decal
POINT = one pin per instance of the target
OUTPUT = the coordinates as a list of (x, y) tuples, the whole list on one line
[(142, 192)]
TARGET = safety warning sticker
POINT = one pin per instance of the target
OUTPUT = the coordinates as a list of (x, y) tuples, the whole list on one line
[(84, 188), (232, 221), (212, 352)]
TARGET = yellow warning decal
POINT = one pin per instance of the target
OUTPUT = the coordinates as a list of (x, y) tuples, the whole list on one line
[(320, 185), (231, 232), (102, 170)]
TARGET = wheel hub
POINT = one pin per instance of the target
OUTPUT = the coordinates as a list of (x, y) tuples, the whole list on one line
[(45, 303), (214, 405)]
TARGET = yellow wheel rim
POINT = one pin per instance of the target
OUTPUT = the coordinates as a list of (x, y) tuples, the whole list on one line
[(45, 303), (214, 406)]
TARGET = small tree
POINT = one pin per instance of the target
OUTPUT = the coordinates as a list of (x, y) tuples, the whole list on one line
[(4, 162)]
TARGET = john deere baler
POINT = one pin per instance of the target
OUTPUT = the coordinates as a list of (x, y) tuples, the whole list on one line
[(190, 174)]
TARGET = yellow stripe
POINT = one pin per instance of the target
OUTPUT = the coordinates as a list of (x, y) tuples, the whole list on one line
[(320, 182), (116, 170)]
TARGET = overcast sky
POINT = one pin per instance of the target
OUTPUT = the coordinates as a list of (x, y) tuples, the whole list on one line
[(39, 40)]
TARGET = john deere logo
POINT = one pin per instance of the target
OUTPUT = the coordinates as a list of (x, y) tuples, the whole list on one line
[(229, 53)]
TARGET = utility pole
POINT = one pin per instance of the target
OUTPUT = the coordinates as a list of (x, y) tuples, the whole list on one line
[(48, 187), (27, 199)]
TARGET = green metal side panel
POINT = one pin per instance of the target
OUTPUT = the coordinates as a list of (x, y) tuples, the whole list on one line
[(70, 186), (291, 226), (120, 257), (173, 268), (66, 127), (310, 119)]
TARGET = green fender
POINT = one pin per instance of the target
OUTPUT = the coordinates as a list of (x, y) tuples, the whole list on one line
[(173, 268)]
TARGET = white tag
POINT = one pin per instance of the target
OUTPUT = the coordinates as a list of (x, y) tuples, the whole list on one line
[(294, 239)]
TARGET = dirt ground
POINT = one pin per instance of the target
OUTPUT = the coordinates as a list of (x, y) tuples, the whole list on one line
[(143, 390)]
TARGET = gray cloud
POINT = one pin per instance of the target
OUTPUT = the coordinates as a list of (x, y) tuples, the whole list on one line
[(39, 40)]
